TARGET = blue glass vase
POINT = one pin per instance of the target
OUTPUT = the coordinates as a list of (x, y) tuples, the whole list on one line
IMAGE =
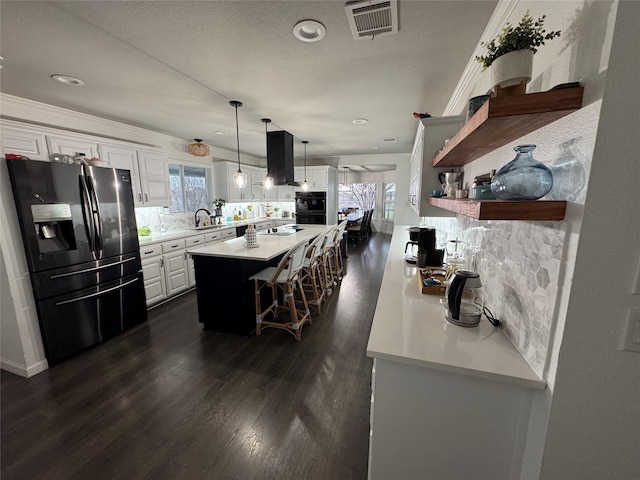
[(523, 178)]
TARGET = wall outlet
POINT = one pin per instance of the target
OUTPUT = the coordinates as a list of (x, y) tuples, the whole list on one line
[(631, 335)]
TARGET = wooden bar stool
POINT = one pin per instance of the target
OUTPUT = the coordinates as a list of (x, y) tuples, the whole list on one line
[(312, 276), (337, 250), (328, 253), (286, 279)]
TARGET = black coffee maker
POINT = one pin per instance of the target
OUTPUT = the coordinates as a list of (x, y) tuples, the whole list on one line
[(428, 254), (414, 234)]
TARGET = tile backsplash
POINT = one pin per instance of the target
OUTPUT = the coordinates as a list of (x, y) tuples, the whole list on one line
[(519, 264)]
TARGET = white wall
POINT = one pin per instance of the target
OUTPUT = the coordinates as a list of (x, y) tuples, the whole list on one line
[(594, 426), (587, 424)]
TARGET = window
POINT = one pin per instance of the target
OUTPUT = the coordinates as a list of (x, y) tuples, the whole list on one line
[(357, 195), (189, 188), (389, 202)]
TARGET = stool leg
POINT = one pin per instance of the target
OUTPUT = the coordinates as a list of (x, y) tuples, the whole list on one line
[(258, 308)]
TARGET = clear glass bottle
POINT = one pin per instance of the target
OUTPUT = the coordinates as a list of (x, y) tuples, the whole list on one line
[(523, 178)]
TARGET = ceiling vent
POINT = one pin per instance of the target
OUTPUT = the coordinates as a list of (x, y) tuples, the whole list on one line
[(371, 18)]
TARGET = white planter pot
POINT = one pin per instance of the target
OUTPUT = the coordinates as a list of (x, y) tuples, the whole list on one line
[(512, 68)]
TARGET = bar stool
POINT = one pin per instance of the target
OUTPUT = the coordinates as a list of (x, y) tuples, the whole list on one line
[(285, 278), (328, 253), (337, 250), (312, 277)]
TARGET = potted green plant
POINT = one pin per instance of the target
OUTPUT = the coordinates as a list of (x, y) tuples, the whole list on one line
[(219, 203), (510, 54)]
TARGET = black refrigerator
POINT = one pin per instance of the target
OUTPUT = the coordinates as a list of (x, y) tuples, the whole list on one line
[(80, 237)]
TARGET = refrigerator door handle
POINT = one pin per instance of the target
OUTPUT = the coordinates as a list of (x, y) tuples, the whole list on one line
[(88, 270), (97, 294), (97, 219), (87, 214)]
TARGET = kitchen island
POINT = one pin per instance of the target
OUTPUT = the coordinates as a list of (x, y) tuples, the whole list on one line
[(225, 295), (447, 401)]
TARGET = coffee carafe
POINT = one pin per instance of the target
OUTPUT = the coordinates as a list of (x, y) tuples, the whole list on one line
[(464, 299)]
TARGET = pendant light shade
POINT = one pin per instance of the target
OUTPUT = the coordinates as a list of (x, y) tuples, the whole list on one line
[(305, 185), (268, 180), (239, 178)]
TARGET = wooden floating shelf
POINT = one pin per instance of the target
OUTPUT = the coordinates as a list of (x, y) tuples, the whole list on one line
[(504, 119), (544, 210)]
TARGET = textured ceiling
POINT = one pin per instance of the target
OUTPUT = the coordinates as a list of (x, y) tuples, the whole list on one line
[(173, 66)]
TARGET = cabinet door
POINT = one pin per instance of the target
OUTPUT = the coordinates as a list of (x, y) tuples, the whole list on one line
[(415, 170), (154, 178), (23, 141), (285, 193), (319, 178), (255, 177), (175, 271), (154, 283), (237, 194), (126, 158), (72, 145)]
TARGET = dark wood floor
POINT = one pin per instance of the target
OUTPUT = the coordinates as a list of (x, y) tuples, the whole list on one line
[(168, 400)]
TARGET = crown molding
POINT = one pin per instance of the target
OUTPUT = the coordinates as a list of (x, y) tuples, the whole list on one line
[(501, 15)]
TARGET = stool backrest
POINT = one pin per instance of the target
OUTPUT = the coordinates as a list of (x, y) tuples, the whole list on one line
[(296, 259), (341, 227)]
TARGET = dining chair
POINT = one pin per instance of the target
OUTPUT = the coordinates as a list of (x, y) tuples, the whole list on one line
[(285, 278), (358, 231)]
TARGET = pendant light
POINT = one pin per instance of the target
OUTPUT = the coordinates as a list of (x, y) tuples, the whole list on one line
[(268, 180), (305, 185), (344, 184), (239, 178)]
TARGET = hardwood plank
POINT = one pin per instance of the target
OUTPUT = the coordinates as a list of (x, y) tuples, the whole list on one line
[(169, 400)]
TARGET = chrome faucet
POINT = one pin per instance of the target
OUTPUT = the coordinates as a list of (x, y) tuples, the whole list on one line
[(196, 218)]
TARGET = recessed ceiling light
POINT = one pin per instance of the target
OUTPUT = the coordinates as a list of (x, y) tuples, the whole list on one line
[(309, 31), (220, 133), (359, 121), (375, 147), (67, 80)]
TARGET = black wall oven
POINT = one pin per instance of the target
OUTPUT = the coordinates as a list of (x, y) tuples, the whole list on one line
[(311, 208)]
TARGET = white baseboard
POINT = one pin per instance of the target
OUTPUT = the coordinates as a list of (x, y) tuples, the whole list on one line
[(23, 370)]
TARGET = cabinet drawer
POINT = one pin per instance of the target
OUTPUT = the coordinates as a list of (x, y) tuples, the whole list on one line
[(228, 233), (172, 246), (212, 237), (195, 241), (150, 251)]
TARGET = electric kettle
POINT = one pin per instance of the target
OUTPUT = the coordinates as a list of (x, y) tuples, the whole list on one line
[(464, 299)]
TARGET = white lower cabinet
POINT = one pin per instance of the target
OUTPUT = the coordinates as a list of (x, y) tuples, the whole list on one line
[(153, 274), (193, 242), (175, 267), (431, 423)]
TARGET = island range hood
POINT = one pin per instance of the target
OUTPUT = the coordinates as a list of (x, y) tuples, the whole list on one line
[(280, 157)]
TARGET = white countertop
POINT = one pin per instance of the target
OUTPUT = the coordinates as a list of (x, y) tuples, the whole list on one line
[(409, 327), (270, 246), (156, 237)]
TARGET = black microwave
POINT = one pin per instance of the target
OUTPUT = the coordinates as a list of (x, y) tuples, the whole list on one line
[(311, 202)]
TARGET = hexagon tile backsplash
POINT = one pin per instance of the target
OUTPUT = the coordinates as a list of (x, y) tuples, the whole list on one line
[(519, 264)]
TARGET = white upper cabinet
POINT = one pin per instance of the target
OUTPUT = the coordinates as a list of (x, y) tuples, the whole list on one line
[(149, 173), (423, 177), (73, 145), (25, 141), (224, 188), (153, 167)]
